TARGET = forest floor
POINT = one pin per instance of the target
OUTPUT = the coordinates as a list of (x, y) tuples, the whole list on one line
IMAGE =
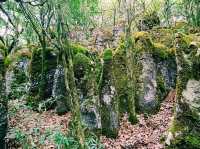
[(41, 129), (147, 133)]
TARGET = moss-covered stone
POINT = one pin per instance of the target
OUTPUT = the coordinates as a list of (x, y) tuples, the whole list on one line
[(157, 69), (42, 69), (187, 108), (120, 78), (86, 71), (108, 99), (77, 48)]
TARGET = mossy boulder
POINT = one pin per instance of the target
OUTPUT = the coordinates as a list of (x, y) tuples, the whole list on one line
[(41, 71), (86, 73), (17, 73)]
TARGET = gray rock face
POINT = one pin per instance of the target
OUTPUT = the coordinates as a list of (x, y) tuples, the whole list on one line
[(157, 78), (59, 92), (148, 84), (191, 96), (168, 71)]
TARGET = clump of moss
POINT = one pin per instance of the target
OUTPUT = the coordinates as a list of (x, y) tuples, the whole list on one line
[(139, 35), (76, 48), (82, 65), (107, 55), (143, 42)]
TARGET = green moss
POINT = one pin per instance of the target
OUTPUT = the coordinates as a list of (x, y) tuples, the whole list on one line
[(2, 52), (120, 78), (82, 71), (141, 35), (180, 24), (3, 49), (107, 55), (160, 51), (164, 36), (176, 126), (190, 140), (143, 42), (193, 140), (81, 60)]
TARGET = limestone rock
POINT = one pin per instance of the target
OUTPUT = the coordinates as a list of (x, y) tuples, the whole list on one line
[(191, 96), (147, 95), (59, 92)]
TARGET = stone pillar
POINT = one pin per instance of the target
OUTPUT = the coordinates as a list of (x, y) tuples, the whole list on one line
[(108, 98), (184, 131)]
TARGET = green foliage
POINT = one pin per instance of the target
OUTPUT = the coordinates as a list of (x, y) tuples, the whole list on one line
[(62, 141), (192, 11), (22, 139), (76, 48), (80, 11), (193, 140)]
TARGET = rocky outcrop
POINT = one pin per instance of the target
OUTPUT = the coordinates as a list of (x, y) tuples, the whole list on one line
[(86, 73), (184, 129), (156, 71)]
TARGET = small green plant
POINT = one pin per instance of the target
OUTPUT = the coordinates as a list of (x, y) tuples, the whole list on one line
[(92, 142), (62, 141), (22, 139), (68, 142)]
